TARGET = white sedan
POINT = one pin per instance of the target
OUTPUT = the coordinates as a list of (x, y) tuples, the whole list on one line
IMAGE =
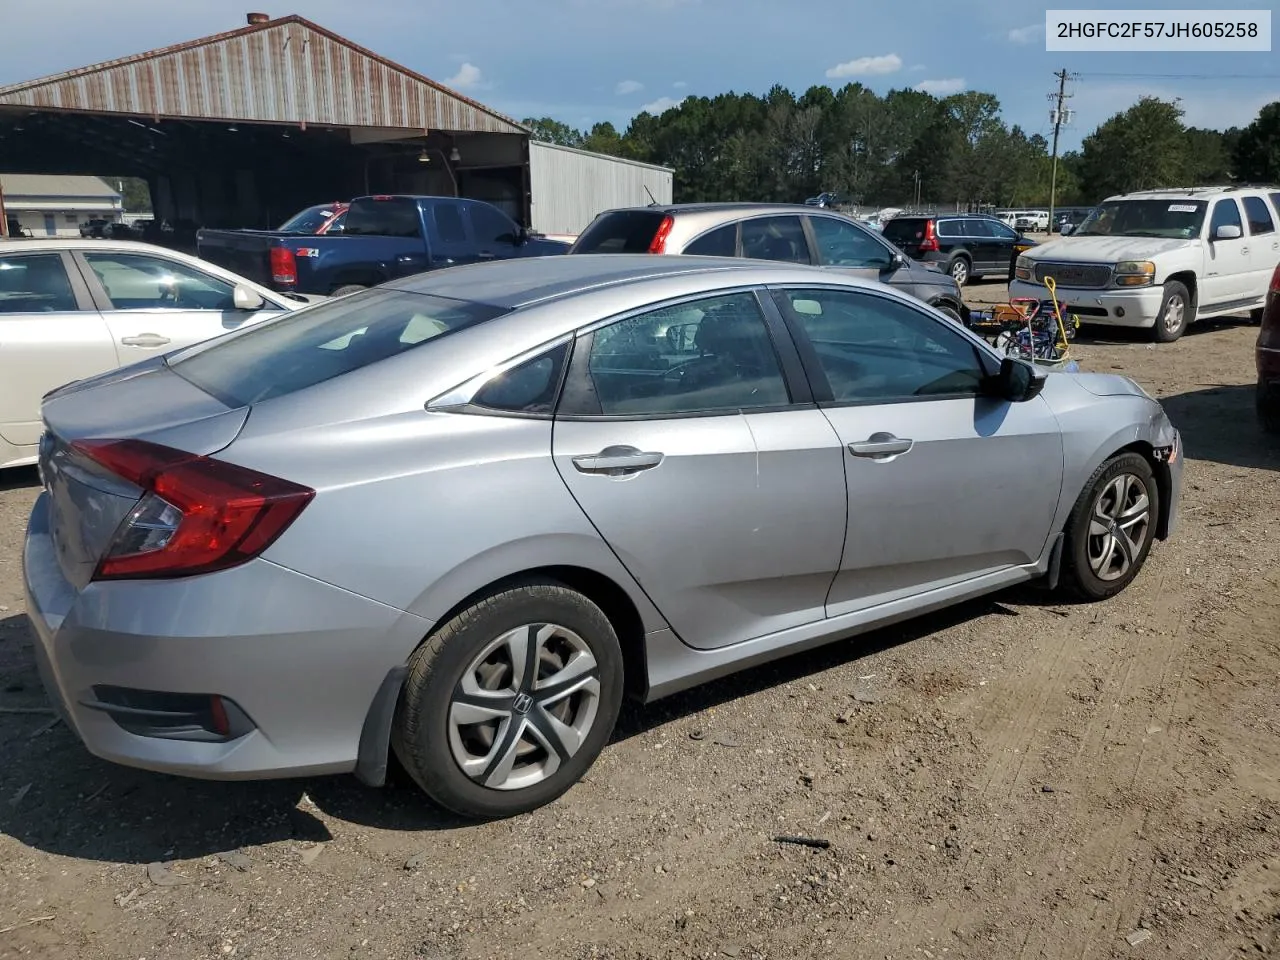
[(71, 309)]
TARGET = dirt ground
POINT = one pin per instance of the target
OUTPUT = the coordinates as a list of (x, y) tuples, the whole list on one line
[(1010, 779)]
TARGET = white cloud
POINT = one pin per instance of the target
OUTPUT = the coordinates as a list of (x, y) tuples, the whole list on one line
[(661, 105), (867, 66), (468, 77), (1026, 34), (628, 86), (941, 88), (679, 85)]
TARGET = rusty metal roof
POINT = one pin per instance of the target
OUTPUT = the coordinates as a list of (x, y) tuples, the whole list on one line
[(287, 70)]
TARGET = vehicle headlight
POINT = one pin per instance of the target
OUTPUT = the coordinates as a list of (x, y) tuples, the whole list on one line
[(1023, 268), (1135, 273)]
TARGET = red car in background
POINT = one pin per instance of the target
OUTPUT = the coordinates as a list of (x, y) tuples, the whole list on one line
[(1267, 353), (318, 220)]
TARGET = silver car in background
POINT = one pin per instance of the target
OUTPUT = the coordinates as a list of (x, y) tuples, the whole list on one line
[(459, 516)]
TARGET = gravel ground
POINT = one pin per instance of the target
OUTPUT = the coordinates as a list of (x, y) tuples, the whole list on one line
[(1012, 778)]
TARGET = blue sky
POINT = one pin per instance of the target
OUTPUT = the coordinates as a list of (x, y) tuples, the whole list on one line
[(583, 61)]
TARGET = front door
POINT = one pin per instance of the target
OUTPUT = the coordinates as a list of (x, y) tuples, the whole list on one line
[(154, 304), (944, 486), (1228, 261), (678, 437), (50, 334)]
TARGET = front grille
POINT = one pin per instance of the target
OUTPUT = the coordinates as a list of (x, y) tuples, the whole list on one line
[(1088, 276)]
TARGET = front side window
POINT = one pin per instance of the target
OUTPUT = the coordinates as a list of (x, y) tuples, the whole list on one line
[(775, 238), (35, 283), (706, 356), (873, 349), (1226, 213), (139, 282), (491, 225), (841, 244), (319, 343)]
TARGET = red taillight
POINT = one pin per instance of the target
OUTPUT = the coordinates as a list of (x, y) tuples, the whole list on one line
[(930, 242), (659, 243), (284, 268), (1275, 280), (198, 515)]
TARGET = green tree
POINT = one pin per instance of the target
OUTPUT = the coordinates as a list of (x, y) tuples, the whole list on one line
[(1257, 153), (1208, 157), (1140, 149), (553, 131)]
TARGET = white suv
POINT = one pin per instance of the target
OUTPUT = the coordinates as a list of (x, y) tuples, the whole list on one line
[(1161, 258)]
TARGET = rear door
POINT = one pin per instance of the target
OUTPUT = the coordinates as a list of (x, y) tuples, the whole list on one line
[(687, 434), (153, 304), (50, 334), (1264, 243), (449, 233)]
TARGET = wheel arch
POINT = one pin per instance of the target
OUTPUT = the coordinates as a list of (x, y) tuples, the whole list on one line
[(1189, 280)]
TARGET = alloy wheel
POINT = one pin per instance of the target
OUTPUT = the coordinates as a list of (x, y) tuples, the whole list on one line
[(1118, 526), (1175, 312), (960, 272), (524, 705)]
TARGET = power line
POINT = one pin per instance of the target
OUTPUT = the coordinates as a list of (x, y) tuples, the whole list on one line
[(1181, 76)]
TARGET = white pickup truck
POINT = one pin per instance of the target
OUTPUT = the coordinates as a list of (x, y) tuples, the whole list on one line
[(1162, 258)]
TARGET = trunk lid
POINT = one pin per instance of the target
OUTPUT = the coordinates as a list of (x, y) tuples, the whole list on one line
[(147, 402)]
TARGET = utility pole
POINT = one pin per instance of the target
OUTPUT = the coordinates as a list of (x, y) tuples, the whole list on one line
[(1058, 115)]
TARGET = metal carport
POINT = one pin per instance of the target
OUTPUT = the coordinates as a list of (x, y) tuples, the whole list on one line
[(243, 128)]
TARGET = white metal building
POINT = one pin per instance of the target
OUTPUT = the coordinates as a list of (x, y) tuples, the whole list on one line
[(569, 187), (55, 206)]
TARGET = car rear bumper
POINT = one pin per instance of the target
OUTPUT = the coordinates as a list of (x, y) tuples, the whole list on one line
[(303, 660), (1115, 308)]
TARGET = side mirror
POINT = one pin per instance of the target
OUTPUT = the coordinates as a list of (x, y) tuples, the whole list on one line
[(1016, 382), (1228, 232), (246, 298), (897, 261)]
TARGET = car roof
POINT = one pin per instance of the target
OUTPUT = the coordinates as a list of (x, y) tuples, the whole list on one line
[(524, 281), (675, 209)]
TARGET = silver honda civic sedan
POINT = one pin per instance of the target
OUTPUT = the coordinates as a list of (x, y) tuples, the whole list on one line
[(457, 518)]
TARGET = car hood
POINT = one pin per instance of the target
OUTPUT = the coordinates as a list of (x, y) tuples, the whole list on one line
[(1073, 249), (1105, 384)]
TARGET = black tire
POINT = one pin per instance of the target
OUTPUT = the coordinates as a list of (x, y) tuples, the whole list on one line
[(347, 288), (1078, 577), (421, 730), (961, 270), (1174, 293), (1268, 406), (950, 311)]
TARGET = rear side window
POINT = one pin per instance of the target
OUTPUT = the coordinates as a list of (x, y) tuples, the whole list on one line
[(952, 228), (775, 238), (34, 284), (622, 231), (1255, 208), (325, 341), (529, 388), (722, 242), (903, 230), (392, 217), (448, 218)]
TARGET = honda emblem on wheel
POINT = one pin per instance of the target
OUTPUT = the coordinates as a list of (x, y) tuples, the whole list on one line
[(522, 703)]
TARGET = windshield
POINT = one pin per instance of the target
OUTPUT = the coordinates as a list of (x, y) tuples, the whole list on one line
[(309, 220), (1175, 219), (325, 341)]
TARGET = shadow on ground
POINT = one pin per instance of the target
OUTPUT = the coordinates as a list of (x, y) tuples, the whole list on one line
[(1219, 424), (76, 805)]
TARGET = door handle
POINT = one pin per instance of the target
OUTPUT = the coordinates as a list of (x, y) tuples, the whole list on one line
[(617, 461), (881, 445), (1244, 249), (145, 340)]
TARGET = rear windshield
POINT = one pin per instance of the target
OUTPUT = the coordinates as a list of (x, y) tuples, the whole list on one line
[(623, 231), (325, 341), (904, 229), (308, 221)]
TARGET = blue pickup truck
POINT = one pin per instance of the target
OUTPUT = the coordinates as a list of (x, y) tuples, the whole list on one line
[(384, 237)]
